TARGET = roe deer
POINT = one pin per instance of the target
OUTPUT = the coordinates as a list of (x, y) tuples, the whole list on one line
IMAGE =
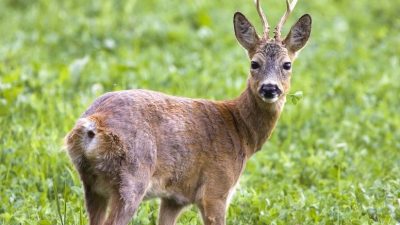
[(137, 144)]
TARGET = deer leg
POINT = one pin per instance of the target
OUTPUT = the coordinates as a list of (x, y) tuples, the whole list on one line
[(213, 211), (169, 212), (133, 177), (126, 199), (96, 206)]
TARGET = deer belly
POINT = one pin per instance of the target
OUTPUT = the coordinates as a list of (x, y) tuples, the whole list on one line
[(157, 190)]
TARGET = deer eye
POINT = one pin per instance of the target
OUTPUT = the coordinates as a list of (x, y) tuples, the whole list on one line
[(255, 65), (287, 65)]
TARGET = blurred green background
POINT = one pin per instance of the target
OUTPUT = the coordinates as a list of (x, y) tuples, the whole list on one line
[(333, 158)]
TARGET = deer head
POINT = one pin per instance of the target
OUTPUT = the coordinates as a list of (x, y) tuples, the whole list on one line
[(271, 58)]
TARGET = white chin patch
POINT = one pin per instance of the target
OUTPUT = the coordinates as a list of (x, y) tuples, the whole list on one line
[(270, 100)]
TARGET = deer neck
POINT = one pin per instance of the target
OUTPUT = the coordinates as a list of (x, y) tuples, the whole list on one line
[(255, 119)]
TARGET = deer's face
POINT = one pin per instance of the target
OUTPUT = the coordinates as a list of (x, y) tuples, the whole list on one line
[(270, 70), (271, 59)]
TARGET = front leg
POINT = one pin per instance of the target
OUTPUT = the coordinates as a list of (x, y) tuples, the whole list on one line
[(169, 212), (213, 210)]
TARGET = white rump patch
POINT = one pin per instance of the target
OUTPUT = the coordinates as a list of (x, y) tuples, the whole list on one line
[(90, 144)]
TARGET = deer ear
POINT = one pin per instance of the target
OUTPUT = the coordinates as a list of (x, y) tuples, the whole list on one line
[(299, 34), (245, 32)]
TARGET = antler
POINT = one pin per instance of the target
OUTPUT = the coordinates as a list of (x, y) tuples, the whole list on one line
[(289, 9), (263, 20)]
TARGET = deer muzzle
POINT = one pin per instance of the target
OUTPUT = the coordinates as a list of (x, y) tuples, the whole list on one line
[(270, 92)]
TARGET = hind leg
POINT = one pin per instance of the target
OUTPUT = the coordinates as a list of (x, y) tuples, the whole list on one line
[(134, 177), (96, 206), (125, 200)]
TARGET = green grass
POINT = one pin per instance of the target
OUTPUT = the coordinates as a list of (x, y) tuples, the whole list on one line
[(333, 159)]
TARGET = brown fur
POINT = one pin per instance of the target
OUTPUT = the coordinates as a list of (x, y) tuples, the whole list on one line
[(138, 144)]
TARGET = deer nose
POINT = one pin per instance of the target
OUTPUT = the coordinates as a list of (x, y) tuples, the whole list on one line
[(270, 91)]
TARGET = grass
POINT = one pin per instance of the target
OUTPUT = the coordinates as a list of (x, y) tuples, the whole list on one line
[(333, 158)]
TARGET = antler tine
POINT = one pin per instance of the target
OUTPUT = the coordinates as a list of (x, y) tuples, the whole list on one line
[(263, 19), (289, 9)]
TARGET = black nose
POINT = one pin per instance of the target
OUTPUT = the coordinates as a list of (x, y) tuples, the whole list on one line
[(270, 91)]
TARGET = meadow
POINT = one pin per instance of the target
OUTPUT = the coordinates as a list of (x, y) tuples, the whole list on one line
[(333, 159)]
